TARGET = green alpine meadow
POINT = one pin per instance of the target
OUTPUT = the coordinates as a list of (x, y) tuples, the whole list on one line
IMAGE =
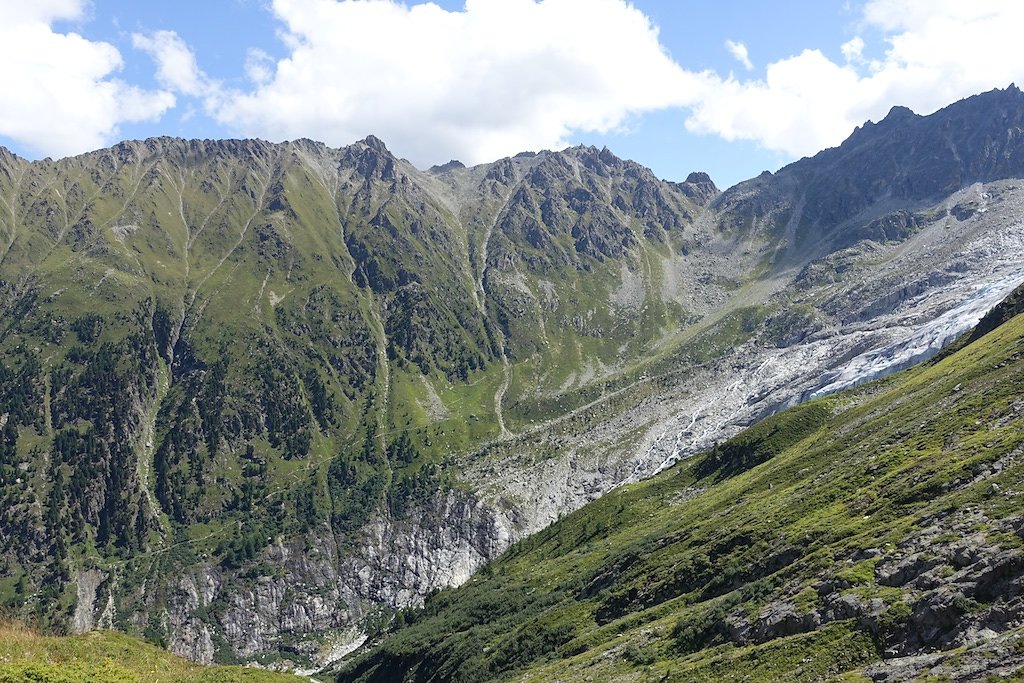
[(108, 657)]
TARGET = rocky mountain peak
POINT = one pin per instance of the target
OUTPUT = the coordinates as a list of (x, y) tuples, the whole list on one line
[(375, 143), (502, 171), (699, 187), (607, 157), (453, 165), (899, 113), (904, 157), (7, 154), (371, 159), (309, 145)]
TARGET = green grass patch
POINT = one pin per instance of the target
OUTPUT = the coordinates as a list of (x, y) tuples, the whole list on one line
[(108, 657)]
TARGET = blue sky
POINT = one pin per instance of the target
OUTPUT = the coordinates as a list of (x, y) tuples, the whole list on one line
[(677, 85)]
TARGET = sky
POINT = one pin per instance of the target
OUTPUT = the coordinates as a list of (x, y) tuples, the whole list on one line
[(731, 88)]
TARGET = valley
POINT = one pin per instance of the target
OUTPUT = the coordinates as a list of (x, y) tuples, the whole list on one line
[(870, 535), (258, 399)]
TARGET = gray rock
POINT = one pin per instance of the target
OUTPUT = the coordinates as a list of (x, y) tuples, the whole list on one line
[(86, 584)]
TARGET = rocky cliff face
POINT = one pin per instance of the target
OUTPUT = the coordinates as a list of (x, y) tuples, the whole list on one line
[(253, 393), (307, 601)]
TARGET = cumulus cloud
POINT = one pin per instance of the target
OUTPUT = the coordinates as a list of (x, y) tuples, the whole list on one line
[(739, 53), (13, 12), (499, 76), (934, 52), (177, 69), (493, 79), (259, 66), (57, 94), (853, 49)]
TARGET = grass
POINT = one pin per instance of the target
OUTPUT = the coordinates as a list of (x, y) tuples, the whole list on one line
[(107, 657)]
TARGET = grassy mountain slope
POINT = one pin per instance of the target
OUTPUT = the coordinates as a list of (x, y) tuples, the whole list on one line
[(108, 657), (879, 523), (209, 346)]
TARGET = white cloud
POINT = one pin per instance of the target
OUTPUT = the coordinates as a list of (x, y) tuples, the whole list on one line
[(739, 53), (259, 66), (503, 76), (500, 76), (934, 52), (57, 95), (853, 49), (14, 13), (802, 101), (492, 80), (176, 64)]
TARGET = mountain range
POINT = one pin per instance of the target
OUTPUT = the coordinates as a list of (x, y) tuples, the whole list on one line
[(257, 398)]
